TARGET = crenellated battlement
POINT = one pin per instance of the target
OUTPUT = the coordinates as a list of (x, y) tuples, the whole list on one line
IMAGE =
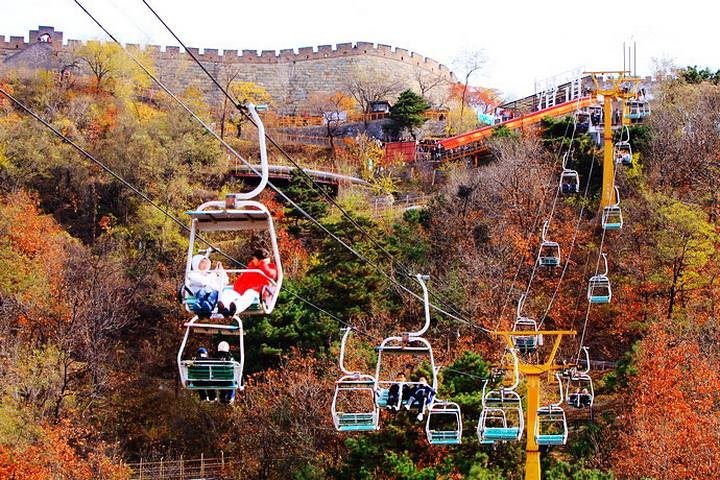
[(291, 75), (287, 55)]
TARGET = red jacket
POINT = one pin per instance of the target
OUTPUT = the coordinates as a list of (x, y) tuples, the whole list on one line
[(253, 280)]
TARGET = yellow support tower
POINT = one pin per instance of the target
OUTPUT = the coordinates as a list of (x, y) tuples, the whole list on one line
[(616, 86), (532, 373)]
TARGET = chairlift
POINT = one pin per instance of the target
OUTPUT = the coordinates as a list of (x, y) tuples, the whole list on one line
[(612, 218), (623, 151), (353, 405), (582, 121), (408, 344), (551, 425), (444, 423), (569, 179), (239, 213), (549, 252), (501, 418), (579, 391), (599, 290), (212, 373), (636, 110), (525, 344)]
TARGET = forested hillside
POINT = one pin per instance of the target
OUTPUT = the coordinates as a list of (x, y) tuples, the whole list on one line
[(90, 325)]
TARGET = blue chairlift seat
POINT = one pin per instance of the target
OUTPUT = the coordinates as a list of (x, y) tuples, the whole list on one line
[(551, 426), (356, 422), (599, 290), (501, 433), (381, 397), (612, 218), (444, 437), (214, 374), (549, 255), (444, 423)]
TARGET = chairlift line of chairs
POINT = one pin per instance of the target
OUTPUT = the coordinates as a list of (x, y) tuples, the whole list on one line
[(241, 214)]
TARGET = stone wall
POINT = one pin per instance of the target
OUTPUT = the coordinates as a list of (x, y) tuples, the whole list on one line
[(289, 75)]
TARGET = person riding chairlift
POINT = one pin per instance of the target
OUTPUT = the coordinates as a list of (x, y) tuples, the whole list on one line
[(205, 284), (250, 287)]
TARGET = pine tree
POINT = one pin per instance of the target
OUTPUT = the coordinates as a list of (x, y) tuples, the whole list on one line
[(407, 113)]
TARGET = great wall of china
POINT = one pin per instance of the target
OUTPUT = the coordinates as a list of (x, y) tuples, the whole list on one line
[(290, 76)]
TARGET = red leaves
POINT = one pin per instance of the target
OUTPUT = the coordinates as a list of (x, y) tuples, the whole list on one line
[(673, 419)]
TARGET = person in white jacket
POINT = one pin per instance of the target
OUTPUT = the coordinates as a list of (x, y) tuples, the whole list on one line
[(205, 284)]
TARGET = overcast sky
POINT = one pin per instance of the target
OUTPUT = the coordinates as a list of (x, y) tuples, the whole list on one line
[(524, 41)]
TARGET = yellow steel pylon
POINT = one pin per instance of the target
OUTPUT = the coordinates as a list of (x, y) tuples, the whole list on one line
[(532, 373)]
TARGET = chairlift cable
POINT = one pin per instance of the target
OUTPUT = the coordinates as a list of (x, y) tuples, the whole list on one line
[(284, 152), (597, 268), (529, 237), (282, 194), (145, 197)]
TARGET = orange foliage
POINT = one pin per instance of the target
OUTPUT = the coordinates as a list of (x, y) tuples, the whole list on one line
[(51, 456), (673, 418), (292, 252), (485, 98), (34, 245), (284, 414)]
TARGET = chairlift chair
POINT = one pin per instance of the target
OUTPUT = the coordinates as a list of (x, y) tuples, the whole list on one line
[(551, 424), (599, 290), (569, 178), (579, 391), (501, 418), (623, 153), (409, 343), (525, 344), (353, 405), (612, 218), (549, 252), (212, 374), (582, 121), (444, 423), (238, 213)]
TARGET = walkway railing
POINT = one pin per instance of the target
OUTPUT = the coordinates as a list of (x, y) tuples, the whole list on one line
[(182, 469)]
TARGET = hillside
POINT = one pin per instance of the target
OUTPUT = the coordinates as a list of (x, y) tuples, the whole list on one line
[(91, 327)]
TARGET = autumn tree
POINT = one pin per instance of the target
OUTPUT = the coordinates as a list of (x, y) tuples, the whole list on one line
[(672, 419), (468, 63), (333, 109), (111, 67), (242, 92), (432, 86), (367, 86)]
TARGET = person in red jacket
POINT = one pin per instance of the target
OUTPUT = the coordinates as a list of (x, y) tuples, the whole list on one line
[(250, 286)]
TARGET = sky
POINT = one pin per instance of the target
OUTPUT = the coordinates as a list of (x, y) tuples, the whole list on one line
[(525, 43)]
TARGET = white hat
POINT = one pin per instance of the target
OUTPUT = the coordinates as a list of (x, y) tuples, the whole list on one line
[(196, 259)]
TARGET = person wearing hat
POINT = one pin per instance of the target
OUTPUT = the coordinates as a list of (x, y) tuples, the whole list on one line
[(209, 394), (223, 353), (205, 284)]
